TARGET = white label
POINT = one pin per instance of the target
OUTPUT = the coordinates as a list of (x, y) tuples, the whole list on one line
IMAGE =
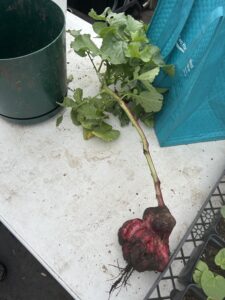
[(181, 45), (189, 67)]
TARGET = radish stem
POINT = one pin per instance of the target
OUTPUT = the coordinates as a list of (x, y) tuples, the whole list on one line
[(145, 143)]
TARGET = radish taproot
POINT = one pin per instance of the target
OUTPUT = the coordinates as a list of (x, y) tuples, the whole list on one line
[(129, 64), (145, 242)]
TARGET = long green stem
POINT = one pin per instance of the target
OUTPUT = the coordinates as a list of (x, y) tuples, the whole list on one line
[(93, 64), (145, 143), (140, 131), (100, 66)]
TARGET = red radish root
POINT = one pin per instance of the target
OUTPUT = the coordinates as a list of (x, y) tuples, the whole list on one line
[(145, 242)]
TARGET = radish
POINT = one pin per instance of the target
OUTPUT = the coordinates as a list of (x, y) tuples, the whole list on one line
[(145, 242), (127, 70)]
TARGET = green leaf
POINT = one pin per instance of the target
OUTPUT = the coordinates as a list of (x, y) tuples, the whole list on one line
[(103, 127), (197, 277), (136, 72), (113, 50), (89, 124), (117, 111), (213, 286), (222, 211), (59, 120), (148, 86), (78, 95), (133, 50), (157, 58), (103, 131), (139, 36), (149, 53), (101, 17), (83, 44), (73, 115), (117, 20), (201, 266), (108, 31), (74, 33), (162, 90), (99, 26), (106, 136), (169, 69), (133, 25), (199, 269), (87, 134), (90, 112), (148, 120), (68, 102), (103, 101), (151, 101), (150, 75), (220, 259)]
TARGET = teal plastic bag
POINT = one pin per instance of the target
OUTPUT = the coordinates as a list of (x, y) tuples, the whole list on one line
[(167, 23), (165, 28), (199, 15), (194, 108)]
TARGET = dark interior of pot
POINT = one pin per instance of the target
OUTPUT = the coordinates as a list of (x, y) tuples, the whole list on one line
[(28, 26)]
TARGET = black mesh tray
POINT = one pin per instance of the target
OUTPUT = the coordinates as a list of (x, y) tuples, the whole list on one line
[(168, 280)]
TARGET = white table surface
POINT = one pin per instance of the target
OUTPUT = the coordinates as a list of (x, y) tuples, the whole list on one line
[(65, 198)]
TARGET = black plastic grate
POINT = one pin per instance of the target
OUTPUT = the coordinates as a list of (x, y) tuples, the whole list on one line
[(167, 281)]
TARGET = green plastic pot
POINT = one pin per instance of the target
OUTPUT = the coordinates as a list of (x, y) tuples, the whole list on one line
[(32, 59)]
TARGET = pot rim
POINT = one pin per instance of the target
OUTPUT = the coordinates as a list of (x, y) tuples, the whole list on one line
[(45, 47)]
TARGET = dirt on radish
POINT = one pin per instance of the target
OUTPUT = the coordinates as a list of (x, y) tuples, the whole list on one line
[(145, 242)]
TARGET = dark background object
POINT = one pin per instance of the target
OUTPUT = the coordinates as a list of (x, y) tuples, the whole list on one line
[(190, 292), (3, 272), (26, 278), (32, 58), (86, 5), (132, 7)]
